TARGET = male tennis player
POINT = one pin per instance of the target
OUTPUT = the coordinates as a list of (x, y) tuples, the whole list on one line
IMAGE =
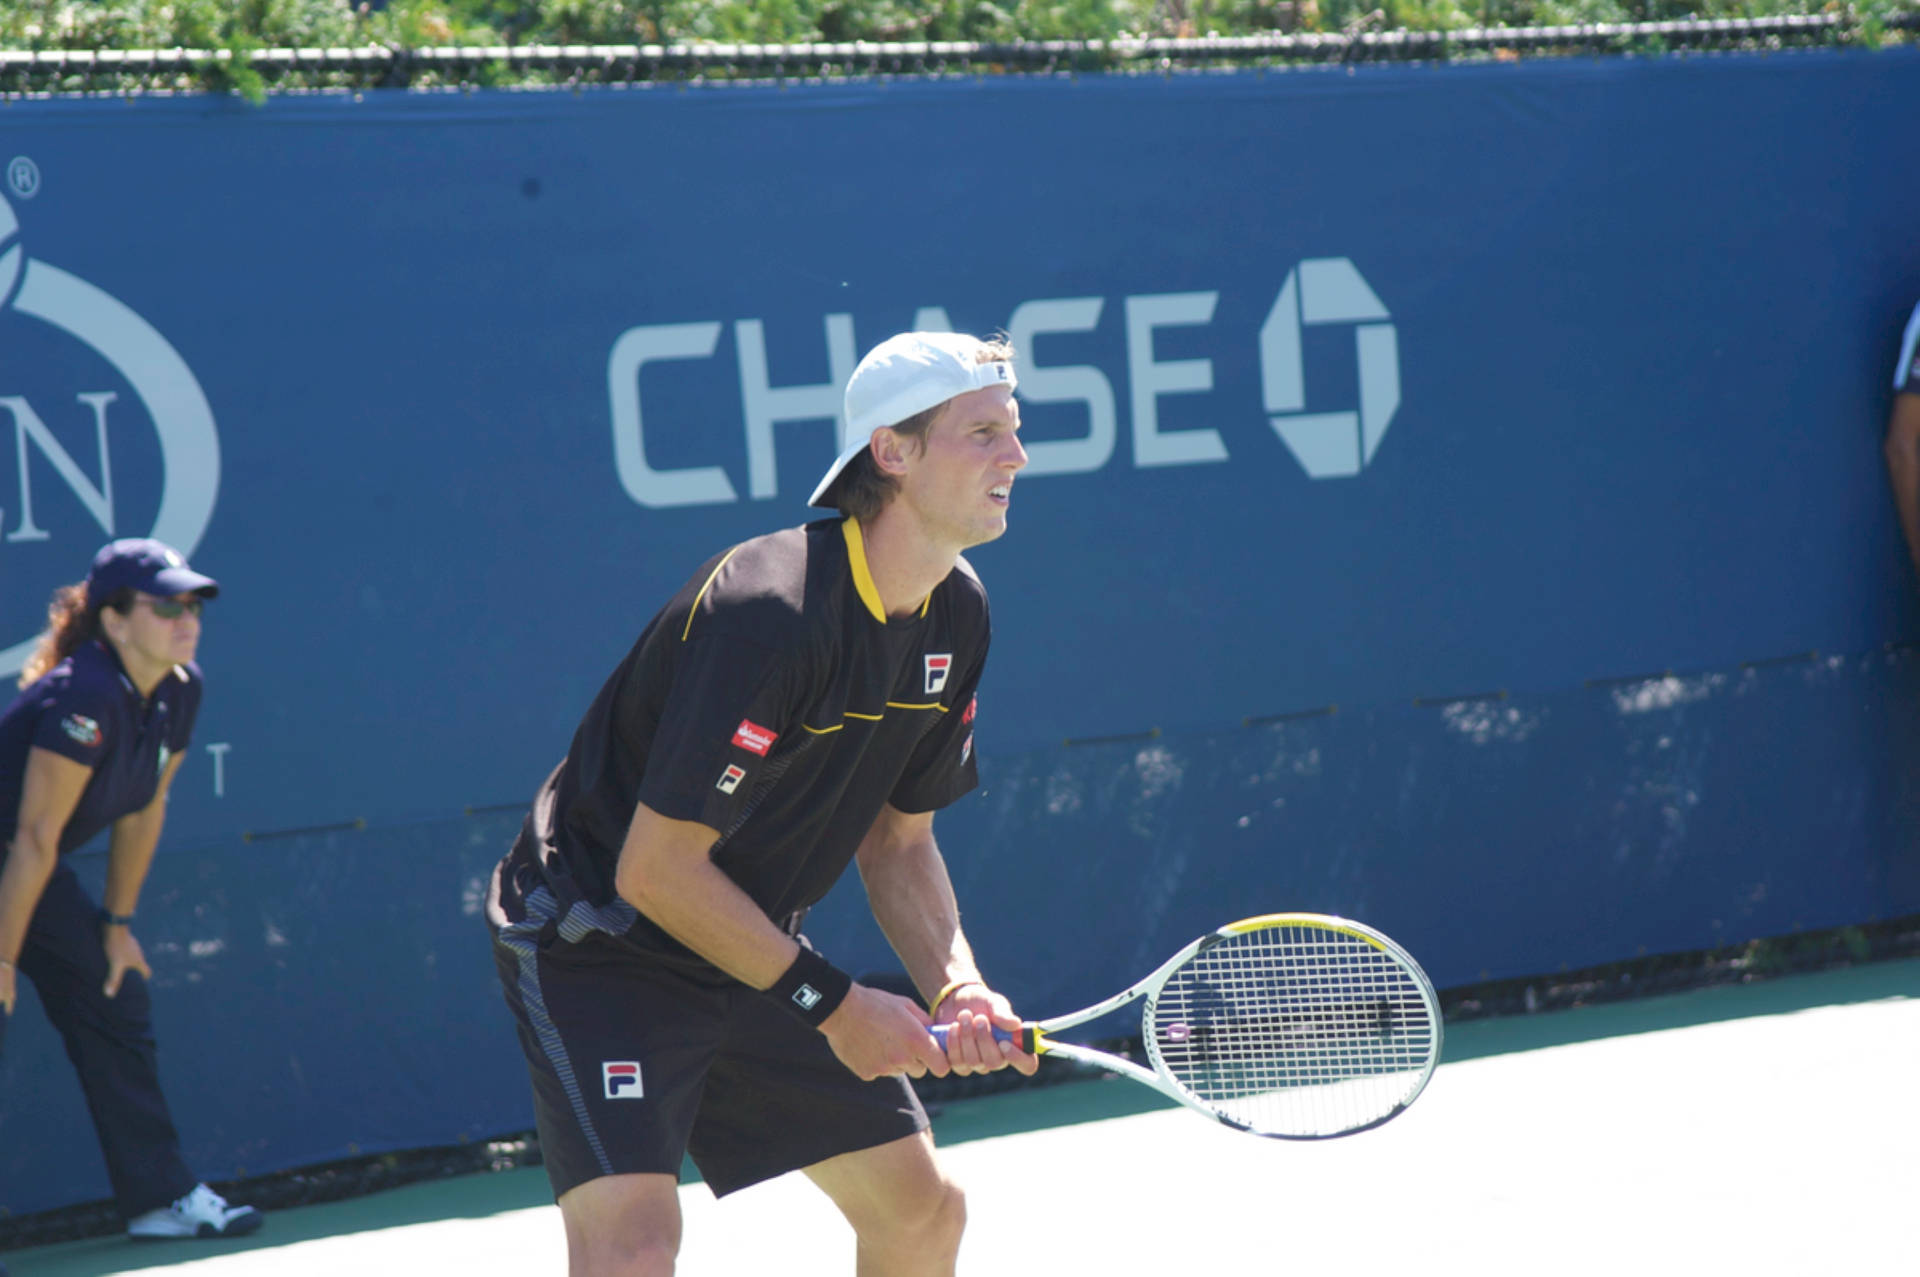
[(1903, 437), (805, 700)]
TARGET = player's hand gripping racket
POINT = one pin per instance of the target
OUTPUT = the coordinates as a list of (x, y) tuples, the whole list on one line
[(1293, 1025)]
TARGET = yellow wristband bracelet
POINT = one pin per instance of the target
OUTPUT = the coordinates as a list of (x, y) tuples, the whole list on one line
[(953, 986)]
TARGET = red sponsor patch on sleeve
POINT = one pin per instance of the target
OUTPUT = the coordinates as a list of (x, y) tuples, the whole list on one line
[(754, 738), (972, 705), (82, 729)]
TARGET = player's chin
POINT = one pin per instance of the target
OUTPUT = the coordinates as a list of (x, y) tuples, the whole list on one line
[(989, 530)]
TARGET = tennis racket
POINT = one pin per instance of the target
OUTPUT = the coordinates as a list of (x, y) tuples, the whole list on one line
[(1293, 1025)]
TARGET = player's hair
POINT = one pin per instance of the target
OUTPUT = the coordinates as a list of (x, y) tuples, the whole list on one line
[(70, 622), (864, 489)]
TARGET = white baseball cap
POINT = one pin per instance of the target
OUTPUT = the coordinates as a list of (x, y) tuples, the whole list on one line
[(902, 376)]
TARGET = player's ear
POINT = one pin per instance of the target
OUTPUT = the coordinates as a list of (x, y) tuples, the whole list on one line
[(889, 451), (113, 623)]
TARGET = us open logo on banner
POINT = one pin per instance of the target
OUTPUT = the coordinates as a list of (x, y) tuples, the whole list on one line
[(112, 435)]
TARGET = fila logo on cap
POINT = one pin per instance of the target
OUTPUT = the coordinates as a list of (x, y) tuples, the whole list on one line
[(937, 667), (730, 779), (622, 1079)]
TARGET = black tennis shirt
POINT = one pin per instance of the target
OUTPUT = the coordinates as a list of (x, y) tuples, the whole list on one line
[(773, 700)]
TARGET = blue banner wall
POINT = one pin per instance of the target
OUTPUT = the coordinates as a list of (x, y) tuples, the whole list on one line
[(1456, 501)]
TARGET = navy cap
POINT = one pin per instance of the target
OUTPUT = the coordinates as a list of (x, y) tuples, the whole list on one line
[(149, 566)]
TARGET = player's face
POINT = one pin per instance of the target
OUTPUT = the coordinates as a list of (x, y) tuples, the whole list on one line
[(961, 482), (158, 641)]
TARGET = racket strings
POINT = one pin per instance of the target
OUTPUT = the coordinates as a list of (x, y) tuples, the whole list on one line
[(1295, 1030)]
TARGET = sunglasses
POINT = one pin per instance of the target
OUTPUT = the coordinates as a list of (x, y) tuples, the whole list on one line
[(170, 609)]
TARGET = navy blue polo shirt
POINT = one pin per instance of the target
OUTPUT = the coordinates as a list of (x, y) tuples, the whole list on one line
[(87, 709)]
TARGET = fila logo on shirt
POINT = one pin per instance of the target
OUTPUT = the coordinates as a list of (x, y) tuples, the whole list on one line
[(622, 1079), (730, 779), (937, 667)]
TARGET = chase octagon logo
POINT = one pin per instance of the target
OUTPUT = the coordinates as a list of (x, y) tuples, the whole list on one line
[(71, 310)]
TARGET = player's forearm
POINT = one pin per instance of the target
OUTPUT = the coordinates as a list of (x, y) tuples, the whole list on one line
[(130, 850), (1906, 501), (1902, 451), (912, 900), (30, 862), (686, 895)]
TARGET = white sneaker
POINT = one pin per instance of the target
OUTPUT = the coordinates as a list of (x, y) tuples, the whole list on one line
[(201, 1213)]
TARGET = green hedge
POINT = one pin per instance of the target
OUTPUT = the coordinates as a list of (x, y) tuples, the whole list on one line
[(76, 46), (249, 24)]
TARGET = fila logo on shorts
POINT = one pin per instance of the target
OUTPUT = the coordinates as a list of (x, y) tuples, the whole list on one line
[(730, 779), (937, 667), (622, 1079), (751, 736)]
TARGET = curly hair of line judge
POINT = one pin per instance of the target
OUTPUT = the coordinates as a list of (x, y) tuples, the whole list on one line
[(70, 622), (864, 489)]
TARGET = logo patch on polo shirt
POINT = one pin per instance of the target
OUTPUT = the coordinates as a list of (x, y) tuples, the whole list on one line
[(937, 667), (730, 779), (751, 736), (82, 729), (622, 1079)]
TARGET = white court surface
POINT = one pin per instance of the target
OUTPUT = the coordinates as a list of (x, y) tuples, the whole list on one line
[(1780, 1144)]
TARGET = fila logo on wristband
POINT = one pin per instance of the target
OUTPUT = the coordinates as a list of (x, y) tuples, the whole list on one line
[(622, 1079), (806, 997)]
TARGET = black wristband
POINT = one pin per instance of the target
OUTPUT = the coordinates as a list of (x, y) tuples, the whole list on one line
[(115, 919), (811, 988)]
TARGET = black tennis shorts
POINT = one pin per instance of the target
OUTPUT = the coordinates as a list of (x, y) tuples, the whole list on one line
[(634, 1064)]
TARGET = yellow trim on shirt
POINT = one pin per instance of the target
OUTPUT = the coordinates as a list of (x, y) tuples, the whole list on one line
[(871, 718), (863, 575), (704, 587)]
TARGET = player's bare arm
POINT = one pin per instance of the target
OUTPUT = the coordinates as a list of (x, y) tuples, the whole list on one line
[(130, 850), (49, 793), (666, 871), (913, 901), (1903, 468)]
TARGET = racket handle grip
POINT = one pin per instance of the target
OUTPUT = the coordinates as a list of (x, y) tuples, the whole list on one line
[(1022, 1038)]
